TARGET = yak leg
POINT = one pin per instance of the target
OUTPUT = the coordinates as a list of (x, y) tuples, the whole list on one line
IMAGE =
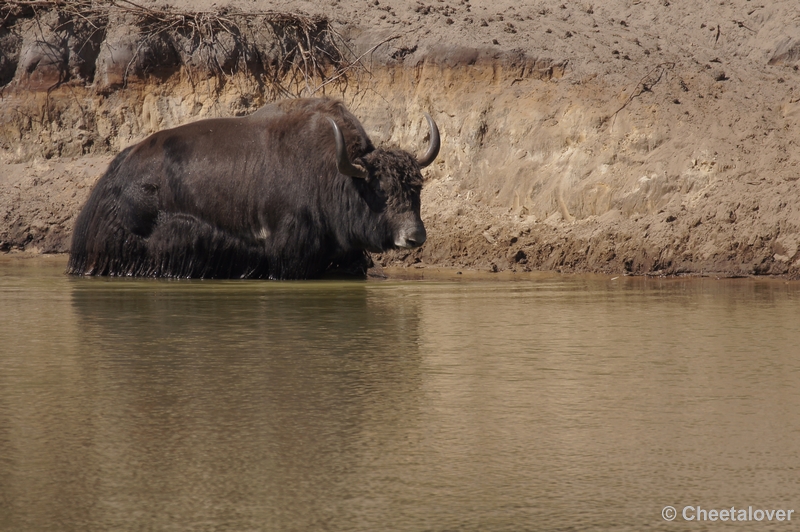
[(354, 263), (182, 245)]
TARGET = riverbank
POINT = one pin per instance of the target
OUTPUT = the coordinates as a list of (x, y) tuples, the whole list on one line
[(14, 262), (654, 139)]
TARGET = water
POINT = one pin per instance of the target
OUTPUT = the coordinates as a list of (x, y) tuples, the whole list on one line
[(554, 403)]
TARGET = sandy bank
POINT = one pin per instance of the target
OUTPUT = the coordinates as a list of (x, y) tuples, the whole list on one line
[(646, 138)]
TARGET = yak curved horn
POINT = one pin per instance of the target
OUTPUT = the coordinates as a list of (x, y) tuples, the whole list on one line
[(342, 160), (433, 150)]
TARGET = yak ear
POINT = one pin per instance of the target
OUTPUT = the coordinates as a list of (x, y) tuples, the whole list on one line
[(342, 160)]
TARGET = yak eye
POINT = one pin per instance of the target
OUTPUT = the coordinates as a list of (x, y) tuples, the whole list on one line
[(376, 185), (149, 188)]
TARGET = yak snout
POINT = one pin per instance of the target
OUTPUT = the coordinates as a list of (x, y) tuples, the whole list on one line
[(412, 236)]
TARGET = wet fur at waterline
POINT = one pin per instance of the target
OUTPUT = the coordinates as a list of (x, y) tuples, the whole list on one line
[(288, 192)]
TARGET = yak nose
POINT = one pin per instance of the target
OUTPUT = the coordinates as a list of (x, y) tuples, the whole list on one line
[(412, 238)]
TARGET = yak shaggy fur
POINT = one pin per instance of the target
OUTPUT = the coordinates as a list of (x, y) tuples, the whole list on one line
[(258, 196)]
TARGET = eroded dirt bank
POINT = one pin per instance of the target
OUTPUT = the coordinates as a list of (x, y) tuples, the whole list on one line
[(628, 137)]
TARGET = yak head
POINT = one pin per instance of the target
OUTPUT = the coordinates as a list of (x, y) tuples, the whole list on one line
[(389, 181)]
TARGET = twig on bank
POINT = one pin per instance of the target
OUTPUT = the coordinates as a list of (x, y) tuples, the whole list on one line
[(645, 84), (741, 24), (355, 63)]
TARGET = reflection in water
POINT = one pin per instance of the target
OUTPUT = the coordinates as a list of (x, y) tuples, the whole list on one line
[(554, 403)]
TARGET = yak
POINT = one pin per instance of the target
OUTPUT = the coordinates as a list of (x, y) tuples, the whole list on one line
[(289, 192)]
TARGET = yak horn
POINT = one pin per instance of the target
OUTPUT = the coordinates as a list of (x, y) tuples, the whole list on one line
[(433, 150), (342, 160)]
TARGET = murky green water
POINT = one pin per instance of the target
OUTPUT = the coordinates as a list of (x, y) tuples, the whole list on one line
[(558, 403)]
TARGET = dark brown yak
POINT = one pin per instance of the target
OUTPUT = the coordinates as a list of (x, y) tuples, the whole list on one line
[(288, 192)]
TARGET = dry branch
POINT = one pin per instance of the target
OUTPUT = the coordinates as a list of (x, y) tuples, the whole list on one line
[(645, 84), (312, 54)]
